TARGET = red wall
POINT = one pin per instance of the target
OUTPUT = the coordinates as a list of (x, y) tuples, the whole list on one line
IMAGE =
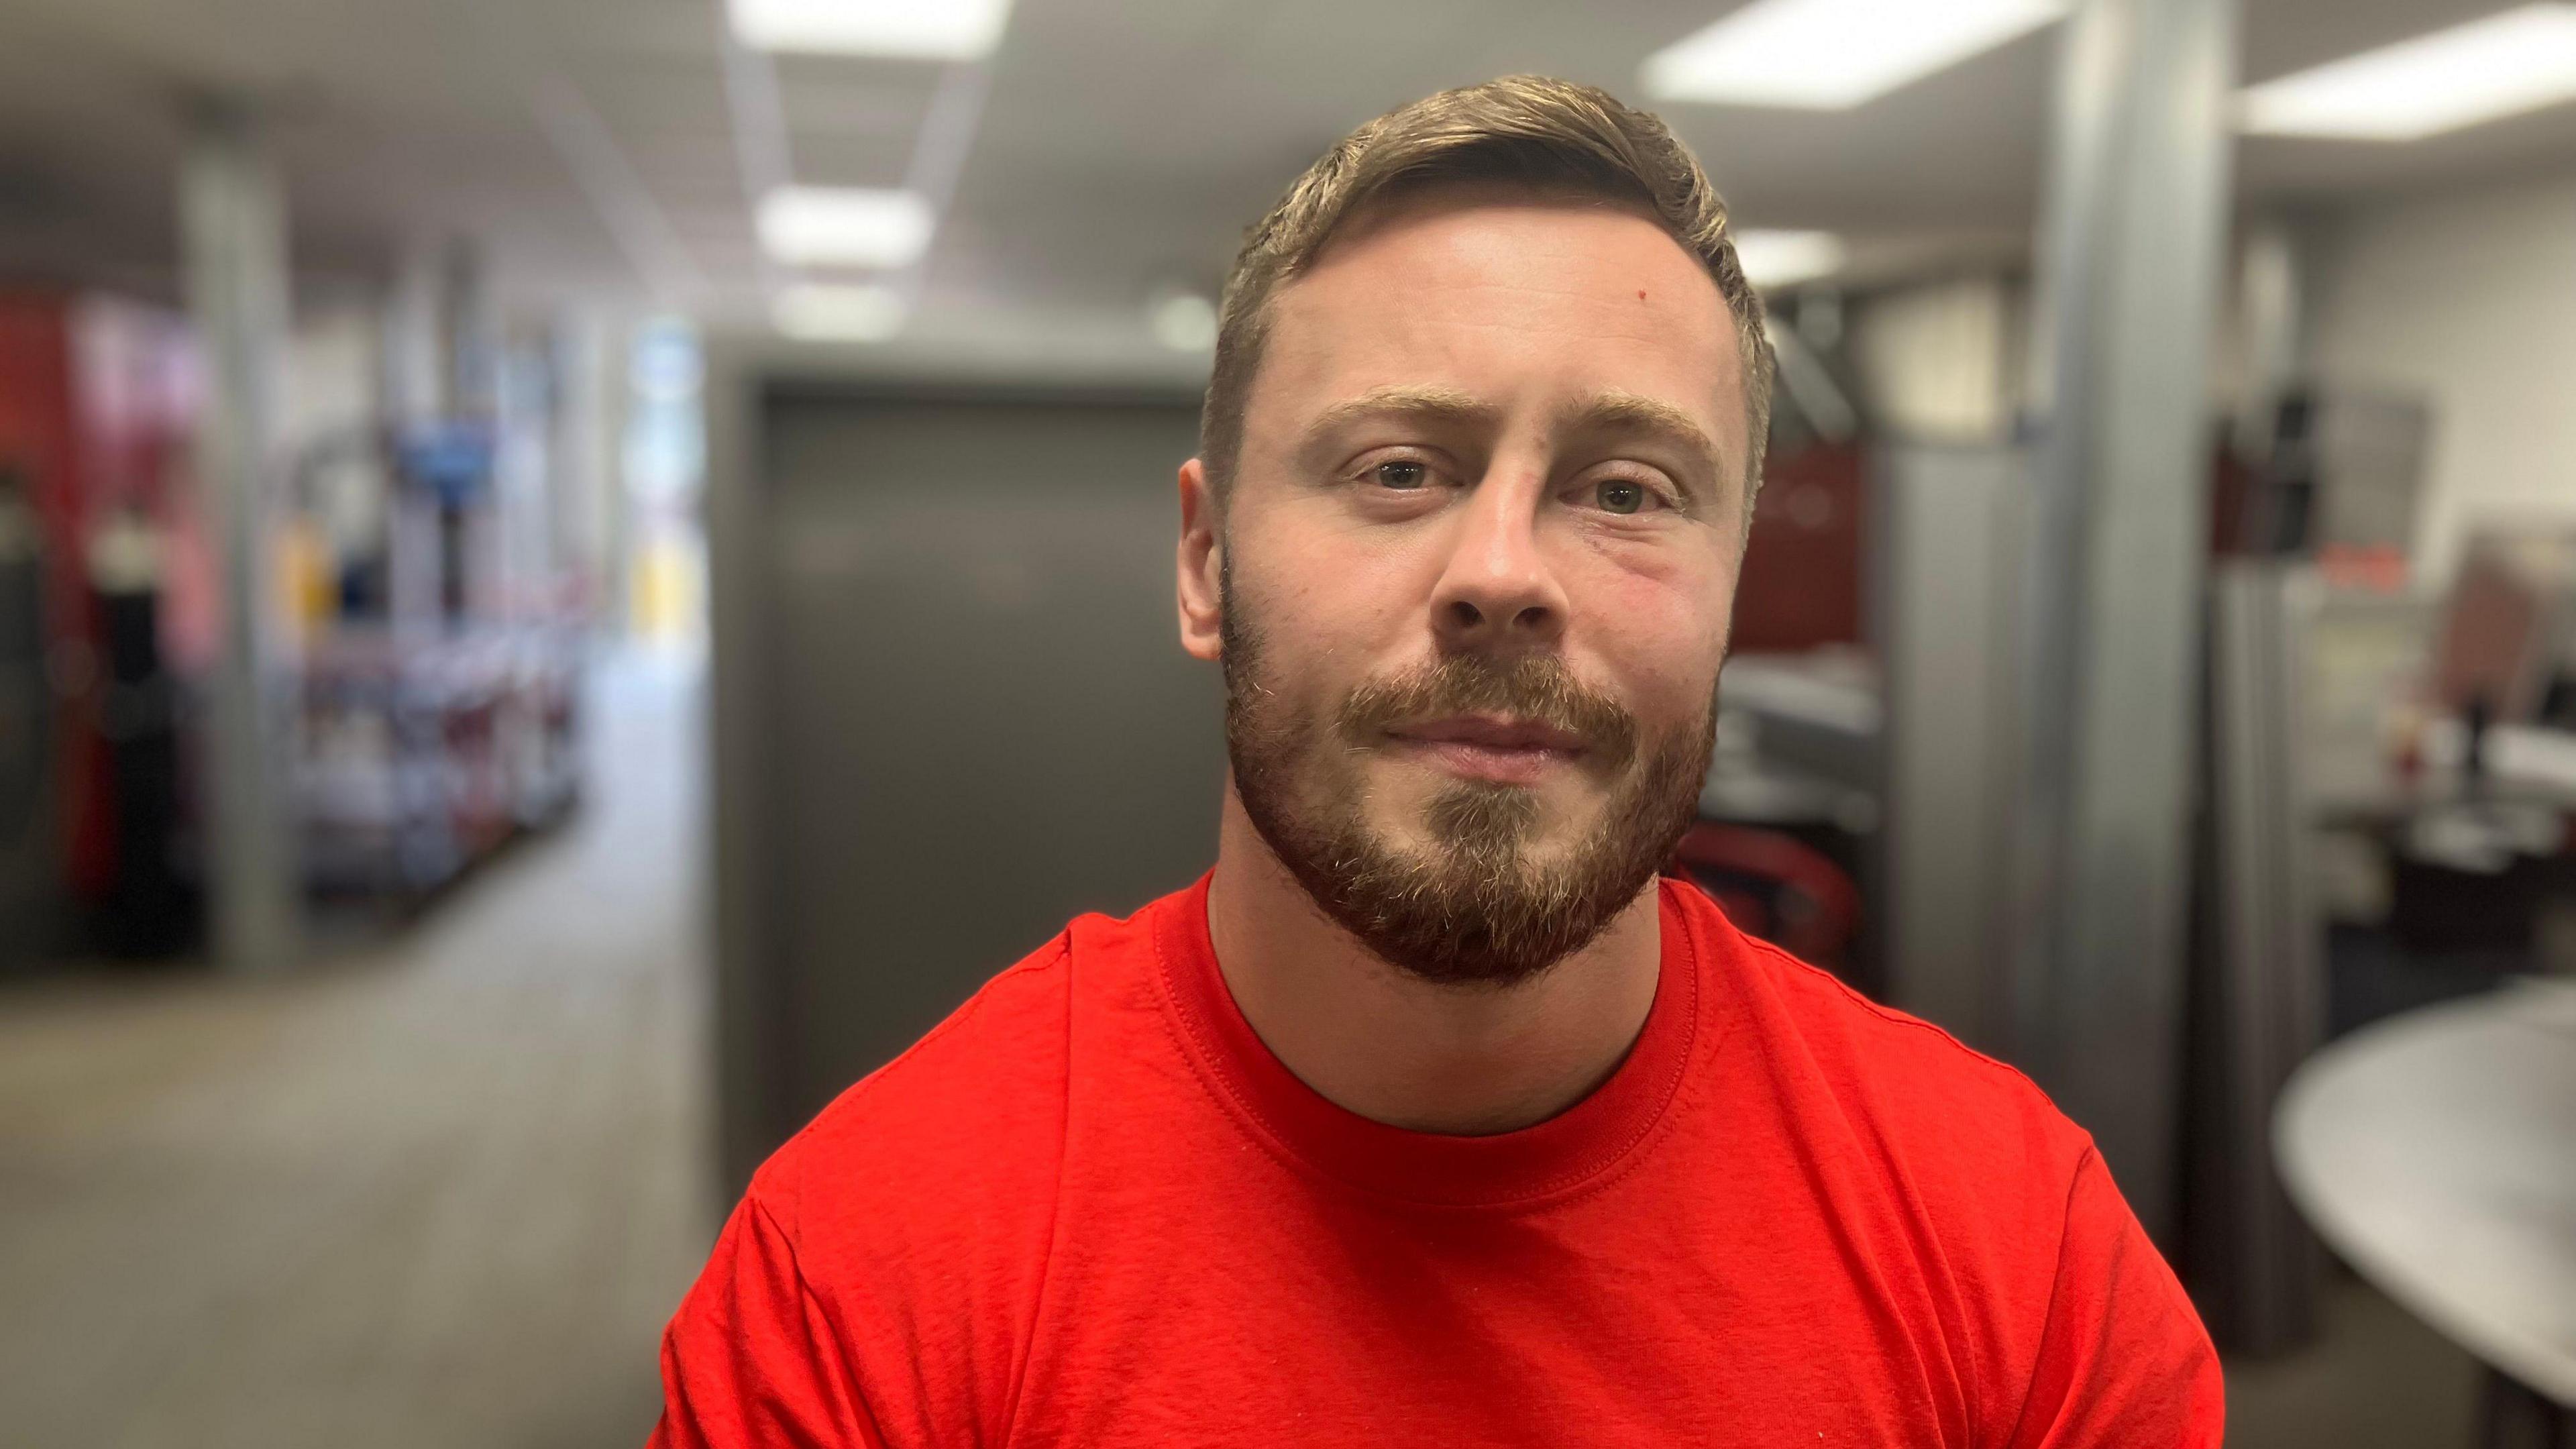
[(1801, 581)]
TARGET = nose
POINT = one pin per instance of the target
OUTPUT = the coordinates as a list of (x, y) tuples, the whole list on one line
[(1497, 592)]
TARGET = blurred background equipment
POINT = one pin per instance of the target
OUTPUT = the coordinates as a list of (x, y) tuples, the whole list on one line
[(25, 770), (1775, 887), (2155, 658), (110, 556)]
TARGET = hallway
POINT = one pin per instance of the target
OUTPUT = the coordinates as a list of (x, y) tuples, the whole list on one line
[(442, 1191)]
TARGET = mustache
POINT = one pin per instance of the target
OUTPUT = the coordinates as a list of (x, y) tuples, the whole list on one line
[(1534, 687)]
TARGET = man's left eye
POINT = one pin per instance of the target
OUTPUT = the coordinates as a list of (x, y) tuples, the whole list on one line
[(1622, 495)]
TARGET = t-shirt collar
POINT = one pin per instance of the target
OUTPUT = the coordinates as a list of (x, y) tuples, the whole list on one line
[(1536, 1164)]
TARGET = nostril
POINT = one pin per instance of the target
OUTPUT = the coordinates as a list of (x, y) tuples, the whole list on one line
[(1466, 615)]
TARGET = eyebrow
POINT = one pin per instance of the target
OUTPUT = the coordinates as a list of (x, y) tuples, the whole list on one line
[(1635, 412), (1426, 404)]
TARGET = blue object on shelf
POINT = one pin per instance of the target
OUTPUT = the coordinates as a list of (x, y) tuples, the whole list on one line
[(452, 459)]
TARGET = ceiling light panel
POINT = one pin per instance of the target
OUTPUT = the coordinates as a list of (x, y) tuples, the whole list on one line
[(845, 226), (820, 312), (1785, 258), (1184, 322), (2518, 60), (1831, 55), (912, 29)]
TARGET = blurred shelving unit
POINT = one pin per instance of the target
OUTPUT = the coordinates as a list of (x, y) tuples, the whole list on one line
[(436, 636)]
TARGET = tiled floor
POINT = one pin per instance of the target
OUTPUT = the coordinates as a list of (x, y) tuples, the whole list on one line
[(443, 1192)]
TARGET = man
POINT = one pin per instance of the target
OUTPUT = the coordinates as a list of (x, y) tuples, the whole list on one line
[(1432, 1114)]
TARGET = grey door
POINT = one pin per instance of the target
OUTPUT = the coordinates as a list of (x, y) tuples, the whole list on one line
[(976, 719)]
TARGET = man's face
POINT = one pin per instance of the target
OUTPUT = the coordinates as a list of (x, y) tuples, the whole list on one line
[(1478, 562)]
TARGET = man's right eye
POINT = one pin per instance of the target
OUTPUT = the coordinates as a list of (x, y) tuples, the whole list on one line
[(1401, 473)]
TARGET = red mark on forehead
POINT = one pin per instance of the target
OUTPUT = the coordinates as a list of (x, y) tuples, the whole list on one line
[(1641, 296)]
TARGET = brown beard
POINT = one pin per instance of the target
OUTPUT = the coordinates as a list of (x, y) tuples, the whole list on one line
[(1478, 908)]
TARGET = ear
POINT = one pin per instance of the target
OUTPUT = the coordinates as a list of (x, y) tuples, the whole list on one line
[(1202, 558)]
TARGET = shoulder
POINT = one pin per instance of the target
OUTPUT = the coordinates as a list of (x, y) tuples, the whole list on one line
[(920, 1202), (956, 1146), (1952, 1122), (885, 1263), (2018, 1244), (975, 1112)]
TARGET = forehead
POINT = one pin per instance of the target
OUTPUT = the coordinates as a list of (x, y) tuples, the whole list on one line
[(1510, 296)]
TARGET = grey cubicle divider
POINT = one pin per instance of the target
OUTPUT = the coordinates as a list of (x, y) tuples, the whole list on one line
[(2259, 971), (1945, 607)]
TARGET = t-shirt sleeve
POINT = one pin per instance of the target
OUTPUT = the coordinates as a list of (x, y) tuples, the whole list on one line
[(2123, 1359), (751, 1358)]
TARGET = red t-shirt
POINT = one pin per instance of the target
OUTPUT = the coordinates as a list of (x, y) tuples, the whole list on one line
[(1092, 1209)]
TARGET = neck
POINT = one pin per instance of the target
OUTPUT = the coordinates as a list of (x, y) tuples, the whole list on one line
[(1411, 1053)]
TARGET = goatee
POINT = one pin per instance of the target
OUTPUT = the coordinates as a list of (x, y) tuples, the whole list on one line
[(1480, 905)]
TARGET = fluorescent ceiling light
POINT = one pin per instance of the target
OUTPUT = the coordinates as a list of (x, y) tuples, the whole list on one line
[(845, 227), (1830, 55), (820, 312), (913, 29), (1185, 322), (1785, 258), (2515, 61)]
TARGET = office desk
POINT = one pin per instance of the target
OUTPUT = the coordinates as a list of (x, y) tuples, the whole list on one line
[(2436, 1152)]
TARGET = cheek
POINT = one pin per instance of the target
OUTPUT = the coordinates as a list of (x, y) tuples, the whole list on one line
[(1659, 621), (1343, 586), (1319, 623)]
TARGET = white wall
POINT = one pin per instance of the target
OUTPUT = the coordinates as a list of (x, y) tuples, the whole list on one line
[(1939, 361), (2467, 299)]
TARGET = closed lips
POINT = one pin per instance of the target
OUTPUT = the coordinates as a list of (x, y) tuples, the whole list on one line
[(1492, 734)]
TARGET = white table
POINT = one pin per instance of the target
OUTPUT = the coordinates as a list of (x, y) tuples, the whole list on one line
[(2436, 1153)]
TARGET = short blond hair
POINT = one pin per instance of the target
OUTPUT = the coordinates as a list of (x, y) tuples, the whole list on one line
[(1552, 135)]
